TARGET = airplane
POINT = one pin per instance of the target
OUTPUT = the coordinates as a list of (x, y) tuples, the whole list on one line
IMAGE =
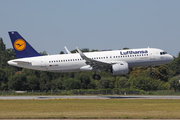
[(115, 62)]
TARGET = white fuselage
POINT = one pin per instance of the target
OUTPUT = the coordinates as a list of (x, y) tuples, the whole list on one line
[(74, 62)]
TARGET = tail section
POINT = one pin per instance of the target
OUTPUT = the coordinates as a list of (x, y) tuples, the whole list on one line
[(21, 47)]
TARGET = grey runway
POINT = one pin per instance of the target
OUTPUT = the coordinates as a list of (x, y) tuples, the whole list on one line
[(87, 97)]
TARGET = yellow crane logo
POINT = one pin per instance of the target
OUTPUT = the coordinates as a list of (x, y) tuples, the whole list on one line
[(19, 44)]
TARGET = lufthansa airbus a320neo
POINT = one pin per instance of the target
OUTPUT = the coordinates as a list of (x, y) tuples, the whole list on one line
[(116, 62)]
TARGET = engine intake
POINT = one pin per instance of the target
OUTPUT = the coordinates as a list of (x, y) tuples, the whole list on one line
[(120, 68)]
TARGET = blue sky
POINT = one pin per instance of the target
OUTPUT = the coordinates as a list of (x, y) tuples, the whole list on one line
[(49, 25)]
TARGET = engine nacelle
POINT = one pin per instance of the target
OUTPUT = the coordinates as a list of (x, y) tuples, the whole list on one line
[(120, 68), (86, 68)]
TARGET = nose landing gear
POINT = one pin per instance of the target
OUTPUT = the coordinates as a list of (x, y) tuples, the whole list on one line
[(152, 73)]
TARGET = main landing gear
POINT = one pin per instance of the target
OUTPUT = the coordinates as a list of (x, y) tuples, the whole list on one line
[(96, 76)]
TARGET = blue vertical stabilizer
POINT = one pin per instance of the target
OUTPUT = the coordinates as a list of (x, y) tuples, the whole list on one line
[(21, 47)]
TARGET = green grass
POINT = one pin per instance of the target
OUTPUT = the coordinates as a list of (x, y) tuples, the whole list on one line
[(78, 108)]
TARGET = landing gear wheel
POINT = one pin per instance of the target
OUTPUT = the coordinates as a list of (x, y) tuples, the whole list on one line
[(152, 73), (96, 77), (99, 77)]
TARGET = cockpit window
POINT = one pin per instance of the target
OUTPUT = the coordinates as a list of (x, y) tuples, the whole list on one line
[(162, 53)]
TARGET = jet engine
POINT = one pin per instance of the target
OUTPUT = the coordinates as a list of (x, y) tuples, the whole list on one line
[(120, 68)]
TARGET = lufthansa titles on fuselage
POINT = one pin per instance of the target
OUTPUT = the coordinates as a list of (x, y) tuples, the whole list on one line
[(133, 52)]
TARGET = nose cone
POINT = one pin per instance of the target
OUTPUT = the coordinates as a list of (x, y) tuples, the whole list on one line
[(171, 58)]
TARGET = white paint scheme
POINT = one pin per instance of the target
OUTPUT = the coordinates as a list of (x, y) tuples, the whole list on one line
[(76, 61)]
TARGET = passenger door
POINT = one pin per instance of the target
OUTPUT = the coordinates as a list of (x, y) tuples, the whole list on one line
[(43, 62), (152, 55)]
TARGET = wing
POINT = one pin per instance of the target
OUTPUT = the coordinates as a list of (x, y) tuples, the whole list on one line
[(95, 64)]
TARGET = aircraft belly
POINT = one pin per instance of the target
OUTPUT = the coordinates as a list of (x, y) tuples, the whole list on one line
[(142, 63)]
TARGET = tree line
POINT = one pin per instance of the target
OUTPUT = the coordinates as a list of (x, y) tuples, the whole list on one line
[(14, 78)]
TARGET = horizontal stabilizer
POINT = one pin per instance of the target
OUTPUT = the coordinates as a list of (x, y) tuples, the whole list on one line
[(22, 62), (18, 62)]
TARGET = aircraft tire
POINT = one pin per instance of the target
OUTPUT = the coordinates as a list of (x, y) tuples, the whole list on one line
[(96, 77), (152, 73)]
